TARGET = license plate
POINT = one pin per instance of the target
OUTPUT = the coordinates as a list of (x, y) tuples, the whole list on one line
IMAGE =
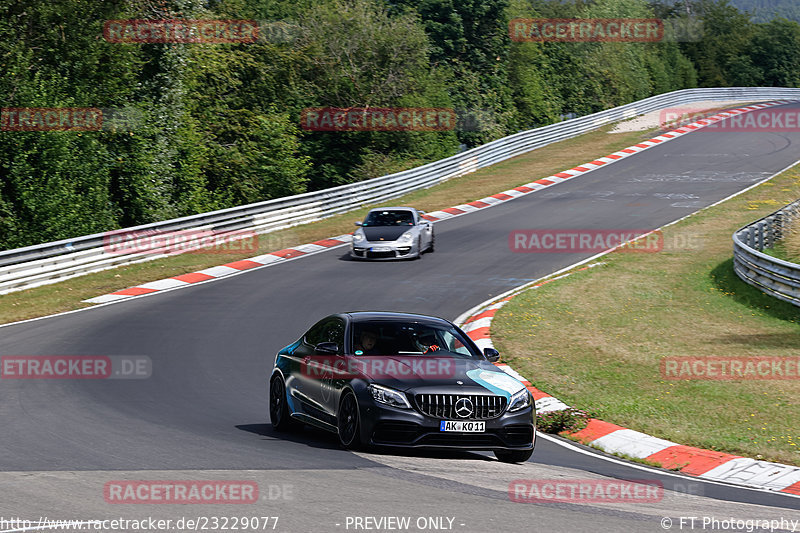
[(462, 426), (380, 249)]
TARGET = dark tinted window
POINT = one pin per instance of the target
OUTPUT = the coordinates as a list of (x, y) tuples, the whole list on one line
[(327, 330), (383, 337), (389, 218)]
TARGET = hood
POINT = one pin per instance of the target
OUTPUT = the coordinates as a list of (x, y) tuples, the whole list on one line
[(387, 233), (439, 374)]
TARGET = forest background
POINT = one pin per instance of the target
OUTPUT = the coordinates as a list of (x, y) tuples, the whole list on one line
[(210, 126)]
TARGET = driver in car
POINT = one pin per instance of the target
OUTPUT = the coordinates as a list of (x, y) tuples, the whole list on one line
[(428, 344)]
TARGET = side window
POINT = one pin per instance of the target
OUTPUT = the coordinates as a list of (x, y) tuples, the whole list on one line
[(334, 332), (314, 336), (331, 330)]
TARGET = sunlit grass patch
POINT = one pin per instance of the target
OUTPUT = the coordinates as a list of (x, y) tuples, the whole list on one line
[(595, 339)]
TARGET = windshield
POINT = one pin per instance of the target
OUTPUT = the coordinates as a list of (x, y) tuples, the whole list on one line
[(408, 338), (389, 218)]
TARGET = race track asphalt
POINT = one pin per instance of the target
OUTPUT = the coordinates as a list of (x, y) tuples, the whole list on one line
[(212, 346)]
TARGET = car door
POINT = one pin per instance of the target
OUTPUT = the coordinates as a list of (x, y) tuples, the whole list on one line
[(323, 392), (310, 368)]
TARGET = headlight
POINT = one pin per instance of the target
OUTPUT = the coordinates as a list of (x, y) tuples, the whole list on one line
[(520, 400), (406, 237), (358, 237), (389, 396)]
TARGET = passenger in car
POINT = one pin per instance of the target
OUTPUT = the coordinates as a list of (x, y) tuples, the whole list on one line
[(367, 344)]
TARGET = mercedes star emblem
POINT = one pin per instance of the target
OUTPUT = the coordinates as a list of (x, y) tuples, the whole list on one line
[(463, 407)]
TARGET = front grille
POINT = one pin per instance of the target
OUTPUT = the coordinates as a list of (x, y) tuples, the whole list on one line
[(380, 255), (444, 406)]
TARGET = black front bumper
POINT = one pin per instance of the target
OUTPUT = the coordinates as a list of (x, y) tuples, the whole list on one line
[(388, 426)]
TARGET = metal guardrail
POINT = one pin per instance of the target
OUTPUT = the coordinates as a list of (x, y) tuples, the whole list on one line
[(52, 262), (771, 275)]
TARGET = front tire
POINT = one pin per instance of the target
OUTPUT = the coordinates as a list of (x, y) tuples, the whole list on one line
[(419, 248), (513, 456), (278, 406), (348, 421)]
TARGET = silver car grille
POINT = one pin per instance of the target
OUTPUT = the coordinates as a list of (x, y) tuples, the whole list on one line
[(444, 406)]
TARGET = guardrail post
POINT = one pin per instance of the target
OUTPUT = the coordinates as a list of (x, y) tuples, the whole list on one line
[(769, 242), (761, 237)]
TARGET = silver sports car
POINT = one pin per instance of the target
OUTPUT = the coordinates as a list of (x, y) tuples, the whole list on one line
[(392, 233)]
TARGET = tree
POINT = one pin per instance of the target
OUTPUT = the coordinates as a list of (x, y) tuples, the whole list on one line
[(775, 49), (361, 55), (469, 39), (726, 39)]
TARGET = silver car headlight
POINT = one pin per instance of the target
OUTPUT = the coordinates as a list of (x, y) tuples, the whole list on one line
[(359, 238), (406, 237), (519, 401), (388, 396)]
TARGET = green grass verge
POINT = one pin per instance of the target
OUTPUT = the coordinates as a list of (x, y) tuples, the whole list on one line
[(594, 339), (787, 249)]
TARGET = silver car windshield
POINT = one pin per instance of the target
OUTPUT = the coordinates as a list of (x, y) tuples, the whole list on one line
[(408, 338), (389, 218)]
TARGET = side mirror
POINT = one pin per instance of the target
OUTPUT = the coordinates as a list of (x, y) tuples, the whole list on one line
[(491, 354), (327, 348), (358, 223)]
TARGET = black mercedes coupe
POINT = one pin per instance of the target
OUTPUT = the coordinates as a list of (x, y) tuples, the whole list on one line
[(401, 380)]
